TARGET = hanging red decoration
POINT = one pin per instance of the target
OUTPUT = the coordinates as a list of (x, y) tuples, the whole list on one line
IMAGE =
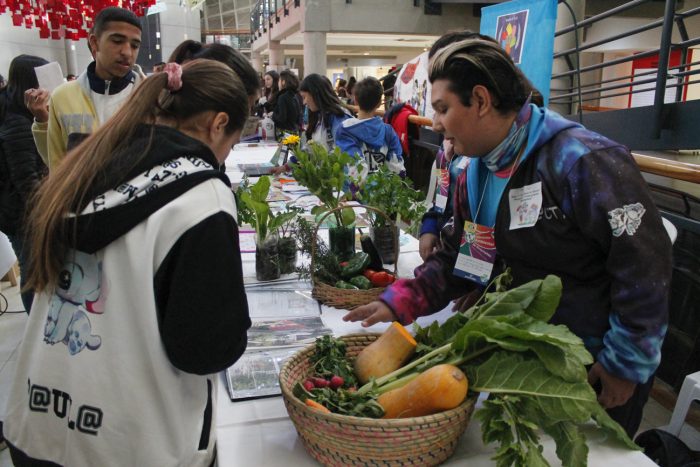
[(59, 19)]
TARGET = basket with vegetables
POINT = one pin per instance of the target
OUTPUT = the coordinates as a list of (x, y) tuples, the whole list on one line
[(341, 426), (357, 281), (400, 400)]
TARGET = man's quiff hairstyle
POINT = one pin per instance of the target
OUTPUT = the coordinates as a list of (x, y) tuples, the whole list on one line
[(474, 62)]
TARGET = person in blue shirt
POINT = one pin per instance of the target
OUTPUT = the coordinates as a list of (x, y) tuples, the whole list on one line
[(326, 112), (367, 136)]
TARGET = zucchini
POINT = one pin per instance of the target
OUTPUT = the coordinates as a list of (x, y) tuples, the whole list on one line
[(369, 248)]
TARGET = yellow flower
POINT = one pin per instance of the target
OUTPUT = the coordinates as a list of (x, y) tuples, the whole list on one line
[(290, 140)]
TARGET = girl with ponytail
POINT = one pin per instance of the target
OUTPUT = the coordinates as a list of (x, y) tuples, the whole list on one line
[(137, 270)]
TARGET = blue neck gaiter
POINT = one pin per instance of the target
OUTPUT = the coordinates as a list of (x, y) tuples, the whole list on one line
[(504, 154)]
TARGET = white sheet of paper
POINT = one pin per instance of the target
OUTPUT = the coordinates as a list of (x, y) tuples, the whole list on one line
[(49, 76)]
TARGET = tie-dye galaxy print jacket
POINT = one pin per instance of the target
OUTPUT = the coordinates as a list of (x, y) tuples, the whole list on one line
[(598, 230)]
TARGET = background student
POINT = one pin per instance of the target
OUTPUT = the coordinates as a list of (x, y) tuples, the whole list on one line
[(21, 167), (326, 112), (79, 107), (287, 111), (367, 136)]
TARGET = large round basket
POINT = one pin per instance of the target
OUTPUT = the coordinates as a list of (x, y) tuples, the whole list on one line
[(341, 440), (343, 298)]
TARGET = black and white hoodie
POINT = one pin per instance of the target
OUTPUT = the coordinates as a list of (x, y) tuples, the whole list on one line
[(117, 365)]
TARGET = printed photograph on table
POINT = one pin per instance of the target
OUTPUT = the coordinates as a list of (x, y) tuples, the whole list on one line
[(256, 374), (269, 303), (285, 332)]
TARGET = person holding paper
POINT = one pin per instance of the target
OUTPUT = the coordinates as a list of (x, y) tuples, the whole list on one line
[(140, 296), (21, 168), (79, 107), (544, 195)]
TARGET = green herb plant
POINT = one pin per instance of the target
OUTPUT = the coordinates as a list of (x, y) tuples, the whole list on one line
[(535, 372), (326, 264), (254, 209), (388, 192), (325, 175)]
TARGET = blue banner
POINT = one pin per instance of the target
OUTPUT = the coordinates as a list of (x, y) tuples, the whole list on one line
[(525, 29)]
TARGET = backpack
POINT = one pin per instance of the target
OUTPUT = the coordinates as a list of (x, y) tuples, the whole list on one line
[(667, 450)]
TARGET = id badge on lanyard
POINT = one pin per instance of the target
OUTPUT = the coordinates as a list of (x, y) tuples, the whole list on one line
[(477, 253), (442, 190)]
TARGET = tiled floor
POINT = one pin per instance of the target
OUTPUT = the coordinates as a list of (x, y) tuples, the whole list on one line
[(11, 329)]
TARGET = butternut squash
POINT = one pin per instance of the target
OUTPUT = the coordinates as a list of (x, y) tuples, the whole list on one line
[(439, 388), (388, 353)]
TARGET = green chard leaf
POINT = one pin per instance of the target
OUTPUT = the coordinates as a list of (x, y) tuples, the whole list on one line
[(505, 372), (571, 443), (546, 300), (611, 427)]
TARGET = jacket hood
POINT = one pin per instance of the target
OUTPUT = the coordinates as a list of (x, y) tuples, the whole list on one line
[(544, 126), (174, 164), (372, 131)]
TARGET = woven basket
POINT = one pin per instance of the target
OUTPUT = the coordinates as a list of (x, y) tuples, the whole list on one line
[(343, 298), (341, 440)]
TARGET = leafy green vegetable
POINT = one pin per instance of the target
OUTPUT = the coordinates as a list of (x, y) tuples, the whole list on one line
[(342, 401), (329, 360), (534, 371)]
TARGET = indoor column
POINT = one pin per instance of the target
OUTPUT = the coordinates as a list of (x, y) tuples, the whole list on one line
[(276, 56), (315, 53), (71, 58), (257, 62)]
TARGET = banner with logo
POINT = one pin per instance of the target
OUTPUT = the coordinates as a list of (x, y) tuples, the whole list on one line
[(525, 29), (412, 86)]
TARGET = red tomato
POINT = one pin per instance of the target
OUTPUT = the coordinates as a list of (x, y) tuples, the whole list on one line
[(368, 273), (382, 279)]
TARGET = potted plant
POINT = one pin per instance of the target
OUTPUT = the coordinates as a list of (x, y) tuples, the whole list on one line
[(325, 174), (394, 196), (254, 210), (287, 243)]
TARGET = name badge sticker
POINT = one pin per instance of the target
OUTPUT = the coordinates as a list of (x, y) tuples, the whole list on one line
[(440, 202), (477, 253), (442, 189), (525, 204)]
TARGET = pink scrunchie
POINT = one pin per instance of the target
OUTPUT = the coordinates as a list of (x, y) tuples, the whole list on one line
[(174, 71)]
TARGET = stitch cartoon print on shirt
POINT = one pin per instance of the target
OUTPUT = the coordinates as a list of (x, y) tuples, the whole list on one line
[(626, 219), (77, 294)]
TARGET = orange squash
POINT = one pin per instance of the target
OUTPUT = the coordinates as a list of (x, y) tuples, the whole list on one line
[(388, 353), (439, 388)]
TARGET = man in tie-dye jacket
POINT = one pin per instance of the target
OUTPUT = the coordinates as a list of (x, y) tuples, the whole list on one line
[(597, 228)]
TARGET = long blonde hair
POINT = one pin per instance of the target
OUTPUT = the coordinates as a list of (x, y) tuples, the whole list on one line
[(105, 158)]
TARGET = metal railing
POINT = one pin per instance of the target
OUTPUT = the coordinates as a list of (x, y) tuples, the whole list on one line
[(266, 13), (577, 94)]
